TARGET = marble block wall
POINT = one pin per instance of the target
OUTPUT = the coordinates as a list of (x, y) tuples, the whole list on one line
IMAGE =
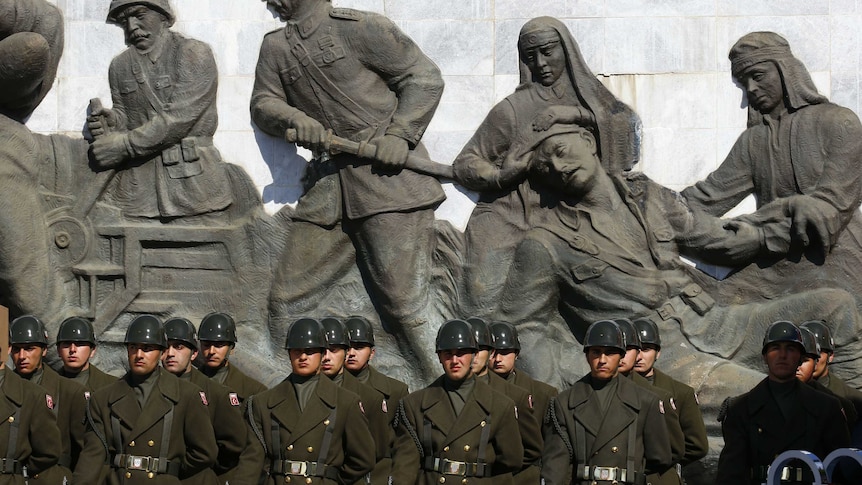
[(666, 58)]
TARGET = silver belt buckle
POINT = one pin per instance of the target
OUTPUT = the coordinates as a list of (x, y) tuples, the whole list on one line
[(605, 473), (791, 474), (454, 467), (134, 462), (298, 467)]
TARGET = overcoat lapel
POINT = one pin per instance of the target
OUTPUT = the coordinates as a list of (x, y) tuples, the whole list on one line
[(621, 413), (437, 408), (165, 394), (285, 407), (476, 411), (319, 406)]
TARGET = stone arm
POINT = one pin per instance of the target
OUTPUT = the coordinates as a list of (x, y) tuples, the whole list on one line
[(734, 466), (531, 290), (359, 451), (557, 453), (196, 84), (201, 449), (480, 165), (269, 107), (727, 186)]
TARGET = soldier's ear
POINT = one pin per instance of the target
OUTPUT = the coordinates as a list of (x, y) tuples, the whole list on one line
[(657, 354)]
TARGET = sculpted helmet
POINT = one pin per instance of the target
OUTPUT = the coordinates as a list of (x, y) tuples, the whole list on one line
[(146, 329), (217, 327), (360, 331), (604, 333), (481, 332), (335, 331), (648, 332), (306, 333), (822, 333), (782, 331), (76, 329), (630, 334), (455, 335), (162, 6), (183, 330), (505, 336), (27, 329)]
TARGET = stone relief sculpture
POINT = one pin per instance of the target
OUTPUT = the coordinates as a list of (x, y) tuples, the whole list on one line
[(556, 86)]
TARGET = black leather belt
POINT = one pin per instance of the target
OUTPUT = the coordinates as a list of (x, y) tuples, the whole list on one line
[(788, 473), (304, 469), (459, 468), (609, 473), (9, 466), (146, 464)]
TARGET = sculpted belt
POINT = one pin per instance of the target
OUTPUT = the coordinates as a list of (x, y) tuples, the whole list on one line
[(183, 160), (460, 468), (304, 469), (610, 474), (147, 464), (691, 296)]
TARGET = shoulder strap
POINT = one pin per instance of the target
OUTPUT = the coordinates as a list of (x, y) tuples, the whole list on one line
[(483, 444), (327, 440), (144, 83), (401, 416), (118, 438), (98, 432), (13, 435), (166, 438)]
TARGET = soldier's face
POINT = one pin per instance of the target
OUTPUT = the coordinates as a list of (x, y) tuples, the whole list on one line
[(215, 353), (782, 359), (604, 362), (503, 361), (567, 162), (823, 364), (305, 362), (480, 362), (75, 355), (358, 357), (457, 364), (142, 26), (805, 371), (763, 87), (627, 363), (143, 358), (27, 357), (333, 361), (546, 62), (646, 360), (177, 358)]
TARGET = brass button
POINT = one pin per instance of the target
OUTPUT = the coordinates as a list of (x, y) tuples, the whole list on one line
[(760, 430), (466, 447), (286, 479), (614, 449), (132, 443), (11, 419), (308, 480), (289, 447), (326, 422), (446, 448), (464, 481), (151, 443), (151, 475), (482, 424), (128, 474), (442, 480), (310, 449)]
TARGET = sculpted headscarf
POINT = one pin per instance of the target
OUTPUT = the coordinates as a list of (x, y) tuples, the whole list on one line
[(619, 127), (757, 47)]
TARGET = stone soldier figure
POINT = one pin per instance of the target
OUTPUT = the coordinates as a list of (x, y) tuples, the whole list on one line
[(76, 345), (148, 427), (224, 411), (159, 133), (358, 75), (528, 421), (507, 347), (779, 414), (29, 436), (684, 399), (457, 430), (604, 429), (306, 429), (332, 366), (28, 342), (391, 390), (556, 85), (217, 334)]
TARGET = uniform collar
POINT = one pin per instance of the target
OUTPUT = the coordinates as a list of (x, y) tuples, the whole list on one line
[(308, 25), (158, 47)]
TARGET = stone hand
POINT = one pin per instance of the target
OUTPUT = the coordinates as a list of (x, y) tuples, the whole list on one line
[(309, 132), (392, 152), (562, 114), (110, 151), (811, 220), (101, 121), (745, 244)]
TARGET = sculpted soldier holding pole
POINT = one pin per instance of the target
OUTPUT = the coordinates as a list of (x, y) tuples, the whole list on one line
[(355, 76)]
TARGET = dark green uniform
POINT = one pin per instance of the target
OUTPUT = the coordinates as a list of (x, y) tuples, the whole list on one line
[(841, 389), (392, 391), (540, 392), (67, 399), (378, 420), (173, 427), (93, 378), (528, 426), (28, 429), (435, 445), (234, 379), (846, 405), (582, 442), (328, 438), (690, 418), (756, 431), (674, 431)]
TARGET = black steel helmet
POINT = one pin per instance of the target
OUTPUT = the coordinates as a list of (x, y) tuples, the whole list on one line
[(28, 329), (823, 334), (161, 5), (809, 343), (76, 329), (146, 329), (183, 330), (630, 333), (360, 331), (335, 331), (647, 332), (306, 333), (505, 336), (456, 334), (782, 331), (217, 327), (481, 332), (604, 333)]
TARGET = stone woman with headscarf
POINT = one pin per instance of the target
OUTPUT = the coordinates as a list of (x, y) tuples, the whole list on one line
[(801, 157), (556, 86)]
